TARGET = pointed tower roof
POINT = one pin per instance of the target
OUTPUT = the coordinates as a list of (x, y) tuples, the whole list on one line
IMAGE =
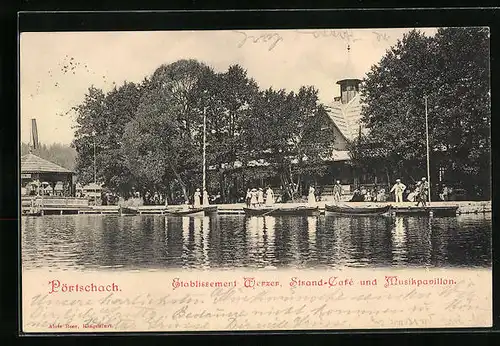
[(348, 71), (31, 163)]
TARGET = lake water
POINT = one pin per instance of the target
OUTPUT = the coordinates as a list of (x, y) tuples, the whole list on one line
[(154, 242)]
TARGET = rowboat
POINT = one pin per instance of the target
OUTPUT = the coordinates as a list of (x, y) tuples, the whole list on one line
[(361, 211), (201, 211), (435, 210), (274, 211), (129, 210)]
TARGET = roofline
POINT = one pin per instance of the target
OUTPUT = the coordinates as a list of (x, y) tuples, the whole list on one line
[(341, 133), (61, 172), (338, 129), (348, 79), (65, 170)]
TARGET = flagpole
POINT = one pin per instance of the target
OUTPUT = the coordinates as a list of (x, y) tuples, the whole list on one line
[(427, 145), (95, 170), (204, 146)]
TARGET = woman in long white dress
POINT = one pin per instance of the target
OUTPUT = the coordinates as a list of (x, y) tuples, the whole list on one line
[(197, 197), (311, 198), (205, 198), (253, 197), (260, 197), (269, 197)]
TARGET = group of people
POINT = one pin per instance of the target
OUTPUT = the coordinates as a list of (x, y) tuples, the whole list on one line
[(369, 195), (420, 193), (257, 198), (197, 200)]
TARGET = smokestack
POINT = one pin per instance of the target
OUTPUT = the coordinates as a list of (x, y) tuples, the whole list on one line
[(34, 135)]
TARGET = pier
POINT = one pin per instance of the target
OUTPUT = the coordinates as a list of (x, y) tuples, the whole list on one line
[(73, 205)]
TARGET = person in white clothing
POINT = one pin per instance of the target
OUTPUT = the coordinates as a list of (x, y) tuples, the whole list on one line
[(337, 191), (205, 197), (398, 190), (253, 198), (269, 196), (197, 199), (260, 197), (311, 198)]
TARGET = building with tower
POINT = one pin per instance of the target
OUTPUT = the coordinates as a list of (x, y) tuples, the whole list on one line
[(345, 110)]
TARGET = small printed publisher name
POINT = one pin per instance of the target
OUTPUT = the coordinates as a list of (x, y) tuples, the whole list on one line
[(83, 326), (55, 286)]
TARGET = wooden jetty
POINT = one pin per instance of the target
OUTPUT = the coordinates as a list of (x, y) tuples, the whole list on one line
[(34, 206), (49, 205)]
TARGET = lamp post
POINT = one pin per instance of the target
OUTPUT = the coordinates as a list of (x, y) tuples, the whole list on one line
[(427, 145)]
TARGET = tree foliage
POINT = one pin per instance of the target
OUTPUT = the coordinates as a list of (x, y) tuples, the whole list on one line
[(451, 70), (149, 136)]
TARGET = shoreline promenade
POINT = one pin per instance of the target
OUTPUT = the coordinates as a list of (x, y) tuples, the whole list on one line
[(464, 207)]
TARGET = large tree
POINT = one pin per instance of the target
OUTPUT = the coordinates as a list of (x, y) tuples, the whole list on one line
[(162, 144), (101, 118), (231, 96), (451, 71), (149, 137), (292, 133)]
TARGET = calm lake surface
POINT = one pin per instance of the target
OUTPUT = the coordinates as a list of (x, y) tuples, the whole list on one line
[(157, 242)]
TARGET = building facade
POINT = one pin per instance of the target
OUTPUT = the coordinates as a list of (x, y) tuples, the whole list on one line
[(35, 170)]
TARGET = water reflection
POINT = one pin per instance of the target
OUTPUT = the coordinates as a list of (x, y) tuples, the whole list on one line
[(399, 241), (98, 241)]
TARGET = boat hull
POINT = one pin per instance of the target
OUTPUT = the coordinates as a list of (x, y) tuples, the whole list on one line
[(128, 211), (424, 211), (203, 211), (355, 211), (281, 211)]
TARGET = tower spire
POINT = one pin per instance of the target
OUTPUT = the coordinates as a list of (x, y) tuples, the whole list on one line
[(349, 84)]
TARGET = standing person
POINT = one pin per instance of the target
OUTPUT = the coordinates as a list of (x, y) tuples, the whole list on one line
[(444, 193), (205, 197), (197, 199), (368, 196), (248, 197), (417, 195), (424, 192), (381, 195), (362, 192), (311, 198), (398, 190), (408, 193), (269, 196), (260, 197), (337, 191), (374, 194), (253, 198)]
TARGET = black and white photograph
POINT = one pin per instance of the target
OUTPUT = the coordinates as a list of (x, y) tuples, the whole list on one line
[(255, 150)]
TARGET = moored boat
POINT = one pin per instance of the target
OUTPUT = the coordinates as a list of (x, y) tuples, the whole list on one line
[(435, 210), (129, 210), (201, 211), (281, 210), (361, 211)]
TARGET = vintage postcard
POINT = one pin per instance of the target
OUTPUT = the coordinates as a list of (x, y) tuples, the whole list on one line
[(255, 180)]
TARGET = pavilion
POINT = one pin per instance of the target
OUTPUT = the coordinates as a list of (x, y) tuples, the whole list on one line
[(35, 169)]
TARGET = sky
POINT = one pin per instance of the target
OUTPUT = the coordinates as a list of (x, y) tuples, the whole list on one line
[(57, 68)]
